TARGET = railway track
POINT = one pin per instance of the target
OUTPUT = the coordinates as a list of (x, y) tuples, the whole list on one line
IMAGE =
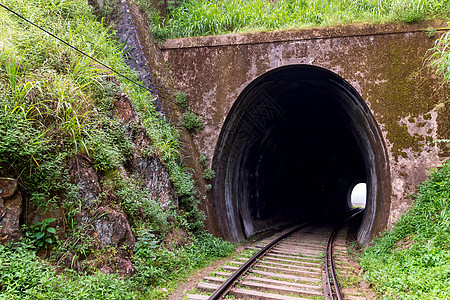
[(294, 264)]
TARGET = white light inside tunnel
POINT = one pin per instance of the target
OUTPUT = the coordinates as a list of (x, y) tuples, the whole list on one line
[(359, 195)]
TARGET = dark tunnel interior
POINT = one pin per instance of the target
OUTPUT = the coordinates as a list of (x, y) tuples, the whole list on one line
[(295, 143)]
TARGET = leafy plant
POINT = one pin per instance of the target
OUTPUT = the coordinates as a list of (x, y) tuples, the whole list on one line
[(181, 99), (413, 259), (209, 174), (156, 265), (192, 122), (25, 276), (203, 160), (41, 234)]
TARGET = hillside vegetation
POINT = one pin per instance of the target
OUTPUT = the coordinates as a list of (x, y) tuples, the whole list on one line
[(57, 109), (210, 17)]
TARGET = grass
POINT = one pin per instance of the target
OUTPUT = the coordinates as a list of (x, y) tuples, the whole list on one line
[(207, 17), (25, 276), (439, 57), (413, 260)]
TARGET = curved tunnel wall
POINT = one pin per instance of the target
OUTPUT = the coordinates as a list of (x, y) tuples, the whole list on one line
[(295, 142)]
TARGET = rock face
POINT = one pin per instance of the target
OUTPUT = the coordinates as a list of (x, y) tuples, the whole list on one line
[(112, 228), (108, 226), (83, 174), (10, 210), (100, 217), (148, 167)]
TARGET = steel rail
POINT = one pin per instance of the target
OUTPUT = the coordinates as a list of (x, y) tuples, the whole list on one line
[(329, 262), (228, 284)]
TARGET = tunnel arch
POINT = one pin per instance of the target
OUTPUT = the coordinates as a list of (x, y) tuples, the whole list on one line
[(295, 141)]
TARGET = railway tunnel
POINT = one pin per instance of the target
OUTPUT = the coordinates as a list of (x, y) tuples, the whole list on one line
[(296, 141)]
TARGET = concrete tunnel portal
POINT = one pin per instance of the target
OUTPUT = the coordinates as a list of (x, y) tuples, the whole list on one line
[(296, 141)]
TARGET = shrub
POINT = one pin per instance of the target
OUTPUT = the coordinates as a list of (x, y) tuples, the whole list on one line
[(192, 122), (203, 160), (156, 265), (209, 174), (41, 234), (181, 99), (24, 276)]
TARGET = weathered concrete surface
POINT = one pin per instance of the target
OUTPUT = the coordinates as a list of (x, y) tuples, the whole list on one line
[(385, 64)]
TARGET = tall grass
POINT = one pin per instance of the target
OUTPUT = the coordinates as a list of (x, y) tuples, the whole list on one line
[(209, 17), (440, 56)]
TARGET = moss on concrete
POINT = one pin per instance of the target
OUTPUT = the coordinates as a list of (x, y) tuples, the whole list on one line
[(402, 97)]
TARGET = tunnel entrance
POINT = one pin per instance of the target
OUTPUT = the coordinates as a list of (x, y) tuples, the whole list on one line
[(296, 140)]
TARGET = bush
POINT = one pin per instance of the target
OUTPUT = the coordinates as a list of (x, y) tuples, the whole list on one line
[(192, 122), (181, 99), (203, 160), (209, 174)]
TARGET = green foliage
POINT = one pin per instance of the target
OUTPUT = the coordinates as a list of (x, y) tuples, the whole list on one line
[(78, 245), (41, 234), (192, 122), (55, 102), (140, 207), (207, 17), (109, 11), (209, 174), (440, 56), (183, 184), (412, 261), (24, 276), (203, 160), (181, 99), (109, 144), (157, 265)]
